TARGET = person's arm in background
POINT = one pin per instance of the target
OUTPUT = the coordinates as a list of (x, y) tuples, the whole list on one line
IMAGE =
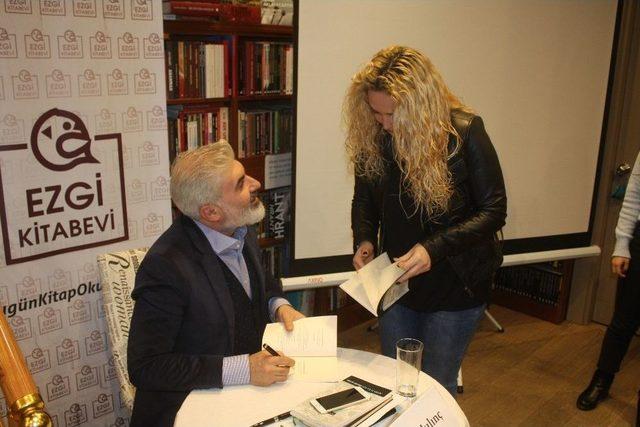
[(365, 223), (488, 193), (627, 223)]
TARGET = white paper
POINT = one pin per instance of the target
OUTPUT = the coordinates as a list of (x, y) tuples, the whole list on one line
[(313, 344), (432, 409)]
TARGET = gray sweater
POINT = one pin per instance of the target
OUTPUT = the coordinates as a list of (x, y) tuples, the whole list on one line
[(629, 214)]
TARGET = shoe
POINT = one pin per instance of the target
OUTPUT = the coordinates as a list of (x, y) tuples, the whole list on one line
[(597, 391)]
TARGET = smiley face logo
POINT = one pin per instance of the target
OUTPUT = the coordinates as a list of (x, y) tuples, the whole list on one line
[(116, 74), (144, 74), (127, 37), (89, 74), (9, 120), (132, 113), (154, 38), (24, 76), (36, 35), (57, 75), (100, 37), (70, 36), (60, 141)]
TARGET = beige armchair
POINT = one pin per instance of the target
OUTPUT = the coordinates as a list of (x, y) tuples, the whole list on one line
[(117, 275)]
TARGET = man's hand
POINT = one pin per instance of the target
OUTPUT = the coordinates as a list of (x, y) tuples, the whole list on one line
[(620, 265), (265, 369), (414, 262), (287, 315), (364, 255)]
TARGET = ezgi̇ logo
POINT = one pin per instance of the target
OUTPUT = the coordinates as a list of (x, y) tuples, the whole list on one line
[(68, 206)]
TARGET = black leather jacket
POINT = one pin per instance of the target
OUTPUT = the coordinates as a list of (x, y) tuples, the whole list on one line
[(466, 233)]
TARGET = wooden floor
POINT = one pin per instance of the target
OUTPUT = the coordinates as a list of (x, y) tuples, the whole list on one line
[(531, 374)]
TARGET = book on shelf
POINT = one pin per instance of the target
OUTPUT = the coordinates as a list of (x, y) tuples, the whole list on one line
[(198, 69), (218, 11), (364, 413), (266, 67), (265, 130), (374, 285), (277, 219), (279, 213), (194, 126), (277, 12)]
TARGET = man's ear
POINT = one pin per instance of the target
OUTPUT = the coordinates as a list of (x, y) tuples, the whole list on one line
[(211, 212)]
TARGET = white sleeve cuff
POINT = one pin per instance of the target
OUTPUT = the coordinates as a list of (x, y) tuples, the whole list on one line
[(235, 370), (274, 304)]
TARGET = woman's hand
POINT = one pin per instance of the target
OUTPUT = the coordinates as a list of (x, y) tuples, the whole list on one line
[(364, 255), (416, 261), (619, 266)]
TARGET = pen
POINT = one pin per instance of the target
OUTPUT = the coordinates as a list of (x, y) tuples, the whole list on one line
[(274, 419), (270, 350)]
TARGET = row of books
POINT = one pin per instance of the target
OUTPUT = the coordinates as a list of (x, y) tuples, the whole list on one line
[(196, 126), (265, 131), (539, 282), (197, 69), (265, 68), (268, 12)]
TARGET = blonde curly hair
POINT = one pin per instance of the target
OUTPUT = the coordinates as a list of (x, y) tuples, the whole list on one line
[(421, 125)]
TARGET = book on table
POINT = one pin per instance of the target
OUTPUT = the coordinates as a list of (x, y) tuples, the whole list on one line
[(374, 285), (361, 414)]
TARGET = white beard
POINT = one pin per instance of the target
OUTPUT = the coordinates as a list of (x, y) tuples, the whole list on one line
[(247, 216)]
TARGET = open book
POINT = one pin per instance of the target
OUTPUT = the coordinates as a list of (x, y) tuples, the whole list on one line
[(313, 344), (374, 286)]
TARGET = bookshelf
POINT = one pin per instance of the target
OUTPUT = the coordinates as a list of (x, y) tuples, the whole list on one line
[(235, 81), (540, 290)]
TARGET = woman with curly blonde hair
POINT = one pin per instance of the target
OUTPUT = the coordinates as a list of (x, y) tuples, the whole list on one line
[(429, 191)]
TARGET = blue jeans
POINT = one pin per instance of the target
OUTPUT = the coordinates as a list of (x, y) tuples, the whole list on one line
[(445, 335)]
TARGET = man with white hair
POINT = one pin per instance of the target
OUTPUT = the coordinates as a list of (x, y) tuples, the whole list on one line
[(202, 298)]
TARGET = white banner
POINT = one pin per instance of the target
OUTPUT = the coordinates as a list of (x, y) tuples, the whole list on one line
[(83, 171)]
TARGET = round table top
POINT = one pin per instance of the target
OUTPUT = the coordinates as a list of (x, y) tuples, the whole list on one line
[(246, 404)]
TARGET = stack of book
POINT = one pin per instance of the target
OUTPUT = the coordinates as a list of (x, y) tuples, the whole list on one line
[(379, 403), (265, 131), (197, 69), (240, 12), (539, 282), (266, 68), (196, 126)]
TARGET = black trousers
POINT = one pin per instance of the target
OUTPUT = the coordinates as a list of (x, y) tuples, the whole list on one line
[(626, 316)]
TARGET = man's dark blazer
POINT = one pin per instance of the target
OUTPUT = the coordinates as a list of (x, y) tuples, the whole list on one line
[(183, 320)]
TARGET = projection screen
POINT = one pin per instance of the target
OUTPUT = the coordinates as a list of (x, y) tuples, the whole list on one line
[(537, 71)]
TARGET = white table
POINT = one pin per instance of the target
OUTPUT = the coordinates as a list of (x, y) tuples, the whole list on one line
[(246, 405)]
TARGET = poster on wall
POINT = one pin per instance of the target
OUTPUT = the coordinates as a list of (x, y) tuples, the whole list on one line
[(84, 170)]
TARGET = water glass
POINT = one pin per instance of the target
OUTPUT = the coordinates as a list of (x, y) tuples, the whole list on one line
[(408, 363)]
